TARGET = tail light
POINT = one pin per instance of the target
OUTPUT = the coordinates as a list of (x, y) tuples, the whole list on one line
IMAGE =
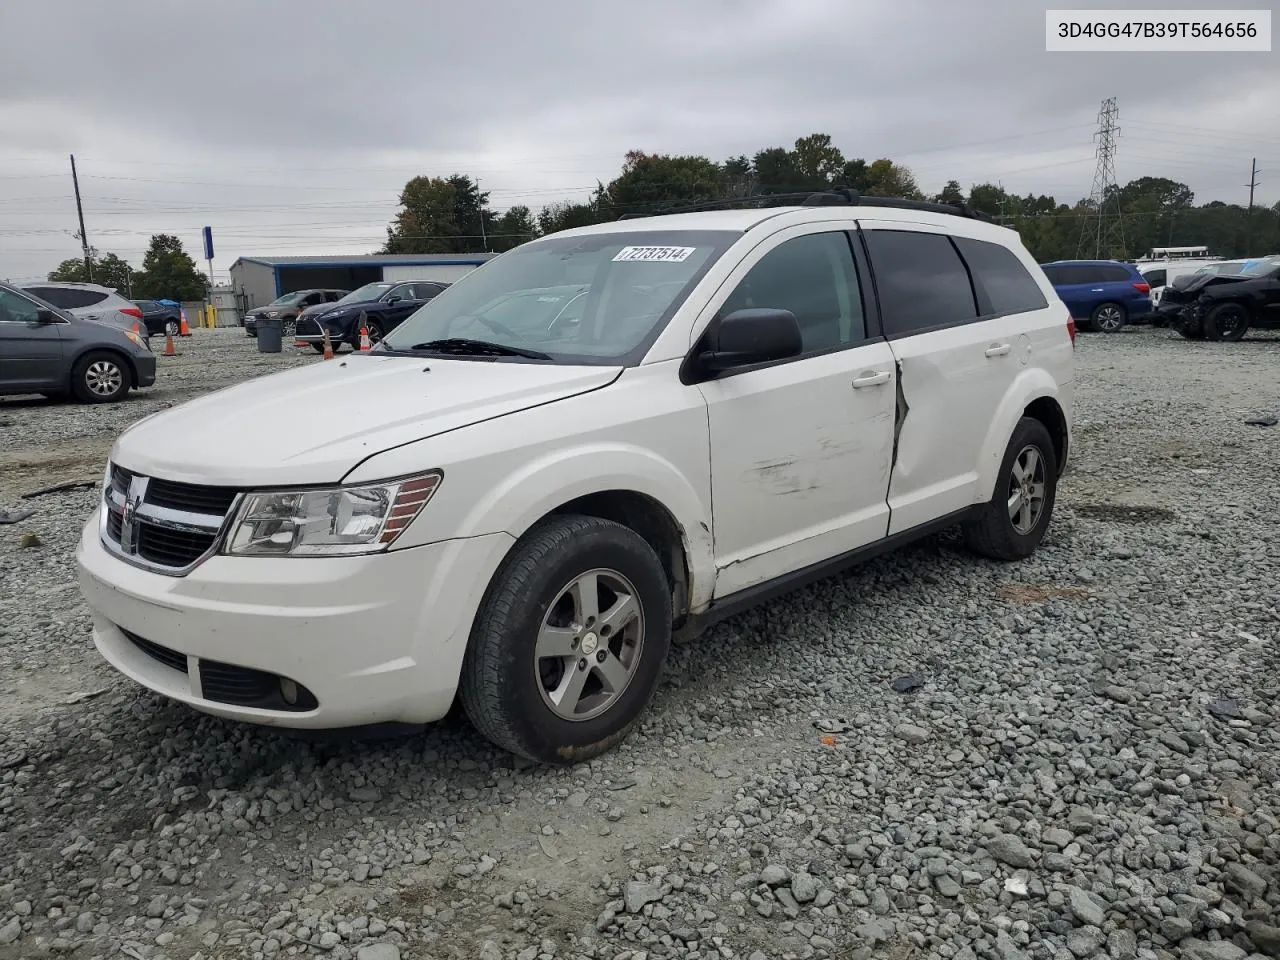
[(1142, 287), (1071, 329), (132, 312)]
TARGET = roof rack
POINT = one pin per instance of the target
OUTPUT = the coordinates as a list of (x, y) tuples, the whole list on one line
[(835, 197)]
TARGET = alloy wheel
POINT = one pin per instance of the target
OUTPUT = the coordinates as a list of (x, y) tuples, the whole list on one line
[(1026, 490), (103, 378), (589, 645)]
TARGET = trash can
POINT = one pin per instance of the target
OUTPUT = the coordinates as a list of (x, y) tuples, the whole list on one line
[(268, 335)]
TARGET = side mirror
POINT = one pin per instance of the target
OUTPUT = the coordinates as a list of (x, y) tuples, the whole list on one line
[(396, 299), (44, 315), (745, 337)]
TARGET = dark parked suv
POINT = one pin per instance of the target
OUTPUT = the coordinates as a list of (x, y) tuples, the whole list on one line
[(44, 349), (286, 308), (383, 304), (1101, 294)]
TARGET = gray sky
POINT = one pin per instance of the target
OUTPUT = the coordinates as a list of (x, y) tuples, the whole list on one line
[(290, 127)]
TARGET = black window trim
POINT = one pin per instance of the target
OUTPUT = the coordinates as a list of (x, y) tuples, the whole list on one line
[(981, 298), (689, 373), (984, 298)]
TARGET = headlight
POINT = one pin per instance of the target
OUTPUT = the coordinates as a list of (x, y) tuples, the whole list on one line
[(273, 313), (137, 340), (329, 521)]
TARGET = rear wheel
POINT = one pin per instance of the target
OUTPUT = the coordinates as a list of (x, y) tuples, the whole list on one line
[(100, 377), (171, 328), (1108, 317), (375, 333), (1228, 321), (1013, 523), (569, 643)]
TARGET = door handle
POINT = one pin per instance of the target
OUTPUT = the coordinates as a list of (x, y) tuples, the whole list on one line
[(997, 350), (1096, 290), (871, 380)]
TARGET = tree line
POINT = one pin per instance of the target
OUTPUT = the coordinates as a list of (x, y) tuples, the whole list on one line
[(168, 272), (451, 215)]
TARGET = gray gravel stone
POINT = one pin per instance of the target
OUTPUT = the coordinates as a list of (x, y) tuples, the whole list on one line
[(638, 895), (1010, 850), (1084, 908), (378, 951), (11, 931)]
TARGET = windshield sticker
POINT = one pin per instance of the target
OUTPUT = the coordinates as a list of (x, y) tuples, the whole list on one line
[(654, 254)]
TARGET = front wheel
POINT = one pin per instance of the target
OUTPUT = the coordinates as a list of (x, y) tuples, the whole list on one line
[(1108, 317), (100, 377), (1013, 523), (569, 643), (1228, 321)]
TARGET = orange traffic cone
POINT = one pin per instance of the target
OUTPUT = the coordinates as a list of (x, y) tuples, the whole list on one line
[(328, 345), (169, 350), (183, 329), (365, 342)]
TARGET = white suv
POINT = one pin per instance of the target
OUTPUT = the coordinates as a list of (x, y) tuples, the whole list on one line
[(594, 440)]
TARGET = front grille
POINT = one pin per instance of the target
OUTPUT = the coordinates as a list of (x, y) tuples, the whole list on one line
[(172, 524), (228, 683), (170, 658), (171, 548), (189, 496), (308, 328)]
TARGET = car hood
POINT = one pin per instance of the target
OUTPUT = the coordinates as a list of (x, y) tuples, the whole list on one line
[(314, 424)]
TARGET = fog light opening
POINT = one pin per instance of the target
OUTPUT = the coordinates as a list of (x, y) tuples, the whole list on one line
[(289, 690)]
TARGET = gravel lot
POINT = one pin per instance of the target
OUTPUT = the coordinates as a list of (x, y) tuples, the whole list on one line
[(1089, 768)]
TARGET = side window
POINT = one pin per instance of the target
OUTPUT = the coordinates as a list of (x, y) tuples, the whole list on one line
[(998, 272), (1116, 275), (311, 299), (1054, 274), (80, 298), (17, 309), (1156, 278), (814, 277), (54, 295), (921, 279)]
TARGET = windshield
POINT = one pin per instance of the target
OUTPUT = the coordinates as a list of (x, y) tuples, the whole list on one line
[(370, 291), (597, 298), (287, 299)]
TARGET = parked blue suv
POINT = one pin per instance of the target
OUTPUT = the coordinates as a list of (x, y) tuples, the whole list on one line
[(1101, 294)]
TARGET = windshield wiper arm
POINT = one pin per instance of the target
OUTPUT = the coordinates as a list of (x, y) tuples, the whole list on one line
[(464, 346)]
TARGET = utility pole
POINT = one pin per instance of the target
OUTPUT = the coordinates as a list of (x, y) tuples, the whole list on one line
[(1104, 229), (480, 197), (1248, 220), (84, 240)]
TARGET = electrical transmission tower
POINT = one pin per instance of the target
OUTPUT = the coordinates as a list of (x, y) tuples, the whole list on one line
[(1102, 232)]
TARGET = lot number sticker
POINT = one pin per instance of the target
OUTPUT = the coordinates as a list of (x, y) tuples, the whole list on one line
[(653, 254)]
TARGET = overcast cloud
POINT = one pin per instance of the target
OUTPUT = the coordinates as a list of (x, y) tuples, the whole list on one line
[(291, 126)]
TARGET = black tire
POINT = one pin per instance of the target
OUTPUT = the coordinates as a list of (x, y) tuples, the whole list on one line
[(100, 376), (375, 333), (991, 532), (503, 691), (1108, 317), (1227, 321)]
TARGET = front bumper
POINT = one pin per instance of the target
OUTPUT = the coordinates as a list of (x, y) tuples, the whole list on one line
[(373, 639), (144, 366)]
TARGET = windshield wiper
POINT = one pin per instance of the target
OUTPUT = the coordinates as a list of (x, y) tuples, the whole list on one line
[(465, 347)]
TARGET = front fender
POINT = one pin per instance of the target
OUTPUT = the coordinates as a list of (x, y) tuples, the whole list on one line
[(536, 488), (1030, 385)]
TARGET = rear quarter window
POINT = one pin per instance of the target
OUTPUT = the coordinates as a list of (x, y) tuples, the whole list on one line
[(1115, 274), (1155, 277), (1000, 277)]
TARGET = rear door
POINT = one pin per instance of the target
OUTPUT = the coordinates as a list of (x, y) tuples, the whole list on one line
[(30, 351), (959, 345), (1119, 285)]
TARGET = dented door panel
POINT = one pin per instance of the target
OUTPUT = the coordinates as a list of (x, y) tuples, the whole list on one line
[(800, 462), (952, 383)]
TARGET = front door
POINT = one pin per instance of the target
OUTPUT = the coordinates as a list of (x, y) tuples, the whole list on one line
[(800, 450), (30, 351)]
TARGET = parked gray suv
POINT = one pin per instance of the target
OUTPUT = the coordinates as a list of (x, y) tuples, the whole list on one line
[(44, 349)]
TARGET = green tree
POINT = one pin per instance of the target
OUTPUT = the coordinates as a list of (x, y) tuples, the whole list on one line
[(856, 174), (108, 270), (775, 171), (471, 213), (427, 221), (951, 193), (513, 228), (817, 162), (168, 273), (888, 179), (651, 182), (565, 216)]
